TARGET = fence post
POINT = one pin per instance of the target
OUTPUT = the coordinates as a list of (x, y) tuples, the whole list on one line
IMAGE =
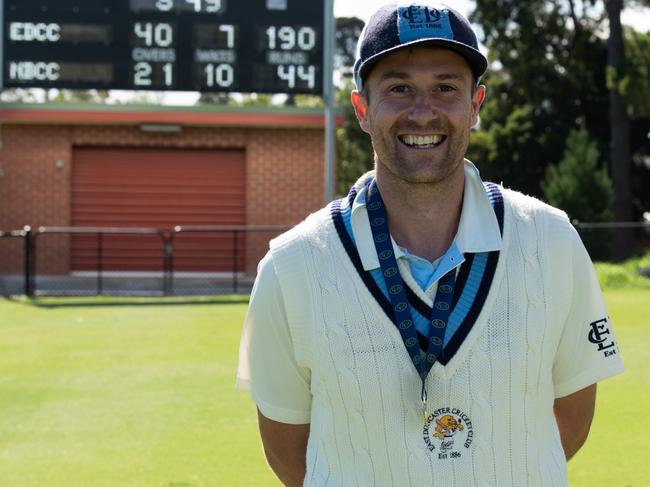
[(29, 291), (100, 244), (235, 266), (168, 257)]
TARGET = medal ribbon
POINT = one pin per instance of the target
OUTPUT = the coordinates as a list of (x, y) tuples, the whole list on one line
[(402, 316)]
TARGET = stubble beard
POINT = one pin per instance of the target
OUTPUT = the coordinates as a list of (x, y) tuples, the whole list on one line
[(428, 168)]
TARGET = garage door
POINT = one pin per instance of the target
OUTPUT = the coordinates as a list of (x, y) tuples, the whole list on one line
[(157, 188)]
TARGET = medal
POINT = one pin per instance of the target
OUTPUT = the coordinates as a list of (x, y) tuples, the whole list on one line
[(425, 413)]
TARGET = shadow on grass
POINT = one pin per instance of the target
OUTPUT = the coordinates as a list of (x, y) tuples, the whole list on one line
[(70, 302)]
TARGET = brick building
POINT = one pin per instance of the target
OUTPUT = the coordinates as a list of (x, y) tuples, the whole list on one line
[(156, 167)]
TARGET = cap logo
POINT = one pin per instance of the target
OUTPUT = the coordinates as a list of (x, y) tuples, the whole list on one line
[(418, 22)]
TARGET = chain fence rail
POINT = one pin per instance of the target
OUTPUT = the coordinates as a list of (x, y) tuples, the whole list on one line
[(600, 237), (14, 261), (93, 261), (186, 261)]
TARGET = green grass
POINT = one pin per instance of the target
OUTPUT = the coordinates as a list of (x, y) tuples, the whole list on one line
[(93, 394), (136, 393), (624, 275), (616, 453)]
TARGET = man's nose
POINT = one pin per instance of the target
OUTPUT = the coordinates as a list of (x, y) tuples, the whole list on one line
[(424, 109)]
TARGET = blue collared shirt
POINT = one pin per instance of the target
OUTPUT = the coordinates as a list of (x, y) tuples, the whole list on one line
[(478, 231)]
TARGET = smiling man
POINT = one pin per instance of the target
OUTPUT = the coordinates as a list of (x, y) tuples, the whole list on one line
[(429, 328)]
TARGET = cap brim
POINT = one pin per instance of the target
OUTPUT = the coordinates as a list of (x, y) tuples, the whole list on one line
[(477, 62)]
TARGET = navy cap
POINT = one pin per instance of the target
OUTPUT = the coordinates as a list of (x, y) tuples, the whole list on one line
[(394, 27)]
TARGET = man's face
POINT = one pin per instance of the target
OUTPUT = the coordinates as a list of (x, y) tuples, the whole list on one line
[(418, 111)]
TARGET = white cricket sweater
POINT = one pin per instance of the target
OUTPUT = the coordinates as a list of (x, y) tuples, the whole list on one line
[(529, 345)]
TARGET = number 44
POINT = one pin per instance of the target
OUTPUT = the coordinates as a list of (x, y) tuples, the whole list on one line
[(289, 73)]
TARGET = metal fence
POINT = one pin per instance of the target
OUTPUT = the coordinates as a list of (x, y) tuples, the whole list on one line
[(14, 252), (73, 261), (601, 238)]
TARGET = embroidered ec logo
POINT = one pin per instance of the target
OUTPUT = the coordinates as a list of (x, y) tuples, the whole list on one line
[(601, 335)]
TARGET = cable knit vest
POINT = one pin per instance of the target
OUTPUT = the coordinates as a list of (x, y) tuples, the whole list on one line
[(367, 426)]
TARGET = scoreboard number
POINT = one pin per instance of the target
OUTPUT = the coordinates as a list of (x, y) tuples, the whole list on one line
[(154, 34), (164, 5), (143, 75), (209, 6), (243, 46), (197, 6), (229, 30), (221, 75), (303, 73), (287, 36)]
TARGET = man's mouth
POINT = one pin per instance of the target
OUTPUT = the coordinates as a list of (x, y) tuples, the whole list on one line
[(422, 141)]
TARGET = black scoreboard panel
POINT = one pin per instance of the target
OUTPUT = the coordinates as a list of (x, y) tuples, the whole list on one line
[(265, 46)]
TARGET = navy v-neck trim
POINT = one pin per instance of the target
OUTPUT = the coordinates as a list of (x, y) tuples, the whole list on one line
[(420, 306)]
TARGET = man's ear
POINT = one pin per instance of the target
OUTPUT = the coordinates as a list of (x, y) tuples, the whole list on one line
[(360, 104), (477, 101)]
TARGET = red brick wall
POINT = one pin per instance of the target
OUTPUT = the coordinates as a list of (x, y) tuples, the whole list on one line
[(284, 178)]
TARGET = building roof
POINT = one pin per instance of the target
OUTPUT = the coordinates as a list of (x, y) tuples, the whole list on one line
[(131, 114)]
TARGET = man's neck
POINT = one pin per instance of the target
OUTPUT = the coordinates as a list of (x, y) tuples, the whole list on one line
[(423, 218)]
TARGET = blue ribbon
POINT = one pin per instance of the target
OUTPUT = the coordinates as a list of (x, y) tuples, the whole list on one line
[(402, 317)]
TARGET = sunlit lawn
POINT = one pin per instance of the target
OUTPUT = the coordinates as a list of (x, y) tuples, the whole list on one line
[(117, 396), (95, 393), (617, 453)]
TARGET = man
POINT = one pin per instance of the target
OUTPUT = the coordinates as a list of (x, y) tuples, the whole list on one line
[(428, 329)]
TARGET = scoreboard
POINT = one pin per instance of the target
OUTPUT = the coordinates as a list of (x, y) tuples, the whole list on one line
[(265, 46)]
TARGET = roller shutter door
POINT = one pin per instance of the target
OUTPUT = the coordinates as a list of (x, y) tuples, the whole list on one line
[(157, 188)]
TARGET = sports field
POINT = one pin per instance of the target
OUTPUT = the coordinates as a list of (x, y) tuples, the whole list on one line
[(135, 393)]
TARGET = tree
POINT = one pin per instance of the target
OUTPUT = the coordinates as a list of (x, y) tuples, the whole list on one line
[(547, 77), (38, 95), (354, 152), (620, 151), (635, 85), (353, 147), (554, 72), (577, 184), (582, 188), (348, 30), (77, 96), (620, 156)]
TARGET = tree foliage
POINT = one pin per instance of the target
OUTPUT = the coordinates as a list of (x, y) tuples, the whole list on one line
[(578, 184), (348, 30), (354, 152), (583, 189), (353, 147), (635, 84), (549, 77)]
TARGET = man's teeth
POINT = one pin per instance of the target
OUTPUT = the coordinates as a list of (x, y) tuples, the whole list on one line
[(422, 140)]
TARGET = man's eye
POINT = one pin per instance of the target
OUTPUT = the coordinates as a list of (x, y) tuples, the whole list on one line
[(446, 88), (399, 89)]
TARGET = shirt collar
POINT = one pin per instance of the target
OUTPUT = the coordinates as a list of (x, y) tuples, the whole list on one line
[(478, 229)]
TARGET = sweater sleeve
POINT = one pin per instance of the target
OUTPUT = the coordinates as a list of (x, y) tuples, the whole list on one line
[(267, 363), (587, 350)]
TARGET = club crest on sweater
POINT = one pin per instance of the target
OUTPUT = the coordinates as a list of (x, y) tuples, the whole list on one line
[(601, 336), (448, 431)]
